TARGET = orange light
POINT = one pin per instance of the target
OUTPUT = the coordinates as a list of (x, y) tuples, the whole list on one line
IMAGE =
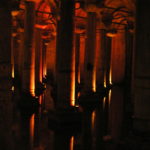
[(109, 96), (32, 82), (79, 74), (13, 73), (32, 129), (78, 95), (110, 75), (77, 5), (72, 143), (94, 81), (105, 81), (93, 119), (110, 34), (104, 102), (39, 26), (72, 101), (40, 99)]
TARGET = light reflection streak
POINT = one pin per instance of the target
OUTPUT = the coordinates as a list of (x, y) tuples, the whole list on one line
[(93, 119), (94, 81), (109, 96), (32, 129), (104, 102), (72, 143)]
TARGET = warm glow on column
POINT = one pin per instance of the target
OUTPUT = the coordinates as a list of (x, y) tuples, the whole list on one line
[(32, 80), (44, 61), (94, 81), (12, 57), (104, 102), (32, 129), (72, 143), (13, 72), (105, 81), (79, 76), (72, 102), (110, 75)]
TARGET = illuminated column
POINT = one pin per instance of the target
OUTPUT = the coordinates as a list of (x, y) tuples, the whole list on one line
[(82, 52), (44, 48), (107, 61), (77, 62), (20, 55), (65, 56), (90, 46), (28, 82), (100, 58), (141, 91), (6, 111), (118, 58), (38, 58)]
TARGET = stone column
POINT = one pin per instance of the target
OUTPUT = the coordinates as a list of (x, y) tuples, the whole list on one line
[(141, 91), (129, 39), (118, 58), (38, 58), (28, 81), (107, 58), (82, 55), (77, 62), (6, 112), (44, 48), (100, 59), (20, 55), (90, 67), (65, 56)]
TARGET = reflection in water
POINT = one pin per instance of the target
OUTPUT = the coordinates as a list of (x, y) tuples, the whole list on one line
[(63, 141), (109, 96), (93, 119), (32, 130), (116, 113), (72, 143), (101, 126)]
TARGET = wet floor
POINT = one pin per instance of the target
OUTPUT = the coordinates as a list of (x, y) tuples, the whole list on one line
[(107, 126)]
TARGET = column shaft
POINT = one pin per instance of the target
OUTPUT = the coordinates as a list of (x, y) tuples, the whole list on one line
[(100, 58), (90, 72), (118, 58), (77, 56), (38, 58), (28, 82), (65, 56), (44, 48), (107, 61)]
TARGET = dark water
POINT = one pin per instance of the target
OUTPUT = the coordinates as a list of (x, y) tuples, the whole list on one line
[(107, 126)]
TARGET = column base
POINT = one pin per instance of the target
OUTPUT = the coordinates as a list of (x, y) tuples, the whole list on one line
[(67, 119), (28, 103)]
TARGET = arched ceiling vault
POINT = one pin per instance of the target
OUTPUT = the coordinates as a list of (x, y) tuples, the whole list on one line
[(110, 13)]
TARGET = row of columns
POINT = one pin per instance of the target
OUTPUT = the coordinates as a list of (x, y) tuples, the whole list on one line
[(30, 53), (97, 55), (65, 57)]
